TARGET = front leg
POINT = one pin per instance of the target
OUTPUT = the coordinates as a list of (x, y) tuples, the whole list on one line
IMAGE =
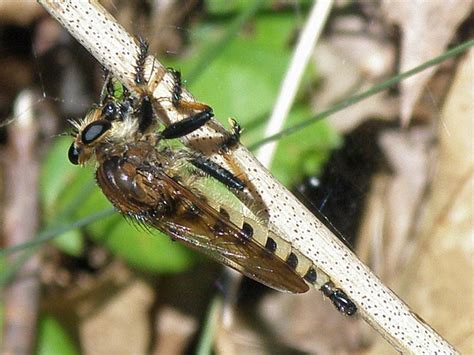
[(232, 138), (187, 125), (140, 79), (176, 95), (145, 109), (217, 172)]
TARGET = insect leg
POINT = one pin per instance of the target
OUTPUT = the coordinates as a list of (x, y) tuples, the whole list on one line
[(140, 65), (145, 114), (217, 172), (176, 98), (231, 139), (187, 125), (145, 111), (107, 90), (177, 87)]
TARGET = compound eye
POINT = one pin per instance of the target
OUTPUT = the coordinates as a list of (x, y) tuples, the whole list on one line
[(73, 154), (94, 130), (110, 111)]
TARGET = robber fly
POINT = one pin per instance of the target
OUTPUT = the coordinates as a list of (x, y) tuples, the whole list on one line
[(161, 186)]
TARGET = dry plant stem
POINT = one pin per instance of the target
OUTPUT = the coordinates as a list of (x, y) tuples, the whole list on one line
[(21, 221), (306, 42), (116, 49), (305, 47)]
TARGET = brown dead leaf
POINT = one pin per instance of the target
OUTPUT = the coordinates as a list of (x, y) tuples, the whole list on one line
[(284, 323), (20, 13), (101, 331), (438, 282), (174, 329), (427, 27), (394, 200), (352, 59)]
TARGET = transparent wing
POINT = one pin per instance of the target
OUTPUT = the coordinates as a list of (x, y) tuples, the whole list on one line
[(146, 193)]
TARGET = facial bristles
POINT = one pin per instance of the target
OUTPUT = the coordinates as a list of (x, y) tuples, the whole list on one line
[(76, 126)]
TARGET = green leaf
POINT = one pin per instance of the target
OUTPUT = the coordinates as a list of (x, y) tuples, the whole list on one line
[(62, 192), (57, 174), (145, 250), (243, 78), (219, 7), (70, 242), (54, 339), (2, 311), (304, 152)]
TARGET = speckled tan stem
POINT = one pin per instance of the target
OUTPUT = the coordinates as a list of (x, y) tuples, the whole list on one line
[(114, 48)]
